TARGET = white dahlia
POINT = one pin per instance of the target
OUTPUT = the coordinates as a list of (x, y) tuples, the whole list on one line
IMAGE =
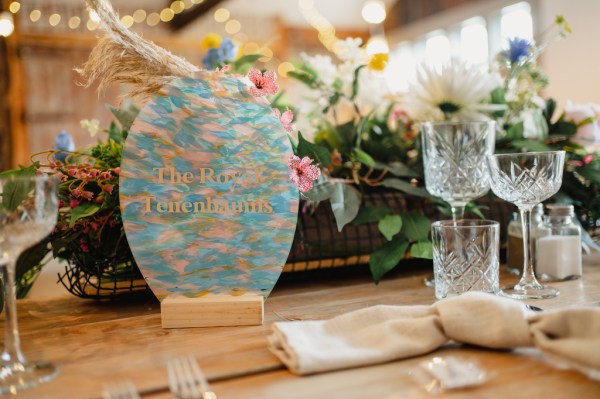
[(457, 91)]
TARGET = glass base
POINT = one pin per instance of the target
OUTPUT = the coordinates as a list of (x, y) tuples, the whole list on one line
[(17, 377), (530, 291), (429, 282)]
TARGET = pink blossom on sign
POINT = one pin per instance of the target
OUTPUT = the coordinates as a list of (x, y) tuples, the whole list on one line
[(302, 172), (286, 119), (264, 83)]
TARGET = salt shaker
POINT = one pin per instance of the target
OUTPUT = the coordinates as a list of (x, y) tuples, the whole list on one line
[(558, 247), (514, 258)]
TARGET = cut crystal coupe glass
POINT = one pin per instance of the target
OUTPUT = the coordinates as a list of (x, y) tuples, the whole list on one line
[(28, 211), (454, 160), (526, 179)]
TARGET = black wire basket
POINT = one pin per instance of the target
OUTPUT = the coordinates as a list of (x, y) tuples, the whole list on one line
[(110, 278)]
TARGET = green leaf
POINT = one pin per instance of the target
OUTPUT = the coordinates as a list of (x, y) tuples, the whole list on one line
[(321, 191), (386, 257), (563, 128), (82, 211), (126, 114), (303, 77), (515, 131), (416, 227), (314, 151), (531, 145), (397, 169), (242, 64), (14, 193), (371, 214), (422, 249), (363, 157), (355, 81), (405, 187), (390, 225), (549, 110), (345, 204)]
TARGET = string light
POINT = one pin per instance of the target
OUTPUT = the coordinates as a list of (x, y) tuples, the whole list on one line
[(166, 15), (153, 19), (233, 26), (14, 7), (54, 19), (284, 68), (177, 6), (74, 22), (139, 16), (127, 21), (222, 15), (320, 23), (7, 24), (35, 15)]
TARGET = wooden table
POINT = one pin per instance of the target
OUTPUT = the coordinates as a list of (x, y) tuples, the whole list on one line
[(95, 343)]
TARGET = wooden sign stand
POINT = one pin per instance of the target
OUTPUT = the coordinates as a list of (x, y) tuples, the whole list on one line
[(212, 311)]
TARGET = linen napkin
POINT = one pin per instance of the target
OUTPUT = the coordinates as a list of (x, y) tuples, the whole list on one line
[(569, 336)]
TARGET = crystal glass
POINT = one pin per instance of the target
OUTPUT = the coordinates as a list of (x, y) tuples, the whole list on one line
[(465, 256), (28, 212), (526, 179), (454, 156)]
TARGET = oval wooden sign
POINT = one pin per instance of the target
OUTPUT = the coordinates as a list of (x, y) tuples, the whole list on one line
[(205, 194)]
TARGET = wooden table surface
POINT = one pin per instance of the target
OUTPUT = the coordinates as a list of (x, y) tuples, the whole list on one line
[(95, 343)]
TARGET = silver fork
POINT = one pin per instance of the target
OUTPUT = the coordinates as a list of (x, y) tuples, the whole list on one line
[(186, 380), (120, 390)]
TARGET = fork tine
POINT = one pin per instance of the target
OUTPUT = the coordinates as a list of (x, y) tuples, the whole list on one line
[(186, 380), (120, 390)]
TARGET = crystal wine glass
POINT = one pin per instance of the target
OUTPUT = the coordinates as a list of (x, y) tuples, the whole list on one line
[(526, 179), (28, 211), (454, 156)]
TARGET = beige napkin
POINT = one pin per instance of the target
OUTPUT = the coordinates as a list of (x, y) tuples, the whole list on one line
[(569, 336)]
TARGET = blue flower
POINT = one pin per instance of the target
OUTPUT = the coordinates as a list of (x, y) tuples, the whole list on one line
[(517, 48), (214, 57), (63, 142)]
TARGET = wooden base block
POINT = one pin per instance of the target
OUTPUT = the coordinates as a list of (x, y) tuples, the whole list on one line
[(212, 311)]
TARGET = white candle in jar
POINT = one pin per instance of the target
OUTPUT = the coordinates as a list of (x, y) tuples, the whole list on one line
[(559, 256)]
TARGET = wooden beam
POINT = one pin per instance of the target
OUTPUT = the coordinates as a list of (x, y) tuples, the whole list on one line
[(181, 20), (19, 137), (405, 12)]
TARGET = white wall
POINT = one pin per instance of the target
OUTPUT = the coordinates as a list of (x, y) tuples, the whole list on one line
[(573, 64)]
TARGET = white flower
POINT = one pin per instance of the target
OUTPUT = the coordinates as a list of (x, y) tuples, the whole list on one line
[(454, 92), (323, 65), (350, 50), (92, 126)]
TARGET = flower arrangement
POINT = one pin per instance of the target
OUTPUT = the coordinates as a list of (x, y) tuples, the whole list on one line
[(363, 142), (509, 93), (89, 226)]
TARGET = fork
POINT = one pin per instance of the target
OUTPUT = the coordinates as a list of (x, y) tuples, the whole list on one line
[(186, 380), (120, 390)]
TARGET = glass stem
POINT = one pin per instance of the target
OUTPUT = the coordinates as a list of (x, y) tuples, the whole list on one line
[(458, 211), (12, 344), (528, 276)]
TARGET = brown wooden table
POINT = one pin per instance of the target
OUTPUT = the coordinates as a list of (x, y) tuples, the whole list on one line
[(95, 343)]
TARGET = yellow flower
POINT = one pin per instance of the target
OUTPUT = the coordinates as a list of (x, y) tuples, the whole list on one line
[(379, 61), (211, 40)]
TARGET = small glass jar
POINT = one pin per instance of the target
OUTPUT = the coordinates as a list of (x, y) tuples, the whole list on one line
[(514, 246), (558, 247)]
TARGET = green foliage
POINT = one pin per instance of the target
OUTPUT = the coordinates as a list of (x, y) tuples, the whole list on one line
[(390, 225), (314, 151), (386, 257)]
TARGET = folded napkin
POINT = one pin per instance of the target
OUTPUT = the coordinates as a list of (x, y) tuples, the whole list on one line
[(569, 336)]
